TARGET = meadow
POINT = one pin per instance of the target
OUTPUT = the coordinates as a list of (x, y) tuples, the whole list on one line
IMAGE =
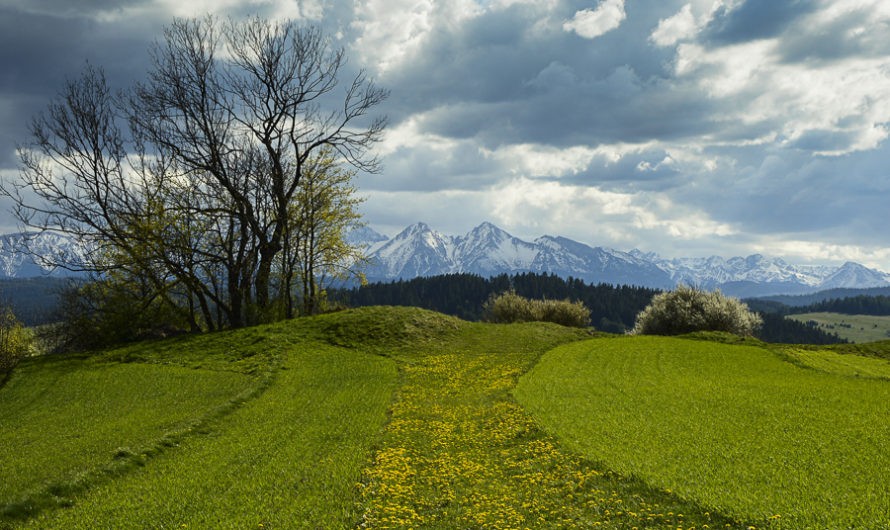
[(403, 418), (854, 328), (737, 427)]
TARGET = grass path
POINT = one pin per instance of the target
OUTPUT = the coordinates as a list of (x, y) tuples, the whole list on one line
[(459, 452), (69, 423)]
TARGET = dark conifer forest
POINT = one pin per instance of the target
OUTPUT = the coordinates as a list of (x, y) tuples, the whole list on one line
[(613, 308)]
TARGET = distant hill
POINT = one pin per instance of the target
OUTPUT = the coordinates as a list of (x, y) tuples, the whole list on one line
[(821, 296)]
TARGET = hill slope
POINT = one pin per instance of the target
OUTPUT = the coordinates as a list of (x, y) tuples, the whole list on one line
[(737, 427), (387, 418)]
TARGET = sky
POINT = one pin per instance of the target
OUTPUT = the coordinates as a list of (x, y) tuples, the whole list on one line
[(688, 128)]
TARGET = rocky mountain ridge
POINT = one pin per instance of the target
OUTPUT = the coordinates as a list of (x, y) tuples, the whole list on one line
[(487, 250)]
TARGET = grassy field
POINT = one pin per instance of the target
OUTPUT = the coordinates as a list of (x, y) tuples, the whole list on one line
[(854, 328), (403, 418), (286, 447), (736, 427)]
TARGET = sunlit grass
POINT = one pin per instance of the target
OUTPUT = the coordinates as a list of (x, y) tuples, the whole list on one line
[(288, 459), (63, 421), (841, 364), (387, 418), (459, 452), (735, 427), (855, 328)]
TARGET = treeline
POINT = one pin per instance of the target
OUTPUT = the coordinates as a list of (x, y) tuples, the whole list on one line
[(855, 305), (612, 308), (777, 328)]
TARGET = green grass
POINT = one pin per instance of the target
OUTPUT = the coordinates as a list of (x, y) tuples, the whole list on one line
[(403, 418), (459, 452), (61, 421), (855, 328), (737, 428), (288, 459), (836, 363)]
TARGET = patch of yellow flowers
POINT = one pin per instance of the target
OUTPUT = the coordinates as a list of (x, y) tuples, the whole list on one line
[(458, 452)]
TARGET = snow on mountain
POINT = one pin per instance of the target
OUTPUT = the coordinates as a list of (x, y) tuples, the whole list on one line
[(488, 250), (856, 276), (565, 257), (715, 270), (415, 251), (28, 255), (364, 237)]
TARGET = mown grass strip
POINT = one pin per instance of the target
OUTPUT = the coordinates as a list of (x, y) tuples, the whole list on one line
[(735, 427), (288, 459), (75, 421), (459, 452)]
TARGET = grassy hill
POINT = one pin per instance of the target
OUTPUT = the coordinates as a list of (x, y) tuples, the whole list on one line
[(401, 418), (854, 328), (739, 428)]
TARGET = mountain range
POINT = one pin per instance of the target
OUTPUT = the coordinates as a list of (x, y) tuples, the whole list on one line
[(487, 250), (32, 255)]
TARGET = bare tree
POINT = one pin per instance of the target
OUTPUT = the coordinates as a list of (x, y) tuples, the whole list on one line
[(188, 180), (252, 122)]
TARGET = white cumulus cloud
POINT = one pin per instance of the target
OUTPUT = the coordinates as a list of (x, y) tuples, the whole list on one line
[(592, 23), (676, 28)]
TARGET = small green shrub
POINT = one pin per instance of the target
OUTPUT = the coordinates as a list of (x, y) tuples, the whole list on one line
[(509, 307), (15, 342), (687, 309)]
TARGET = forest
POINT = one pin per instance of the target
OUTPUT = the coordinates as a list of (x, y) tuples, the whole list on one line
[(854, 305), (612, 308)]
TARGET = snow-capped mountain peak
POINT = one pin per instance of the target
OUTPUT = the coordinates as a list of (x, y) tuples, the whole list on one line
[(488, 250), (28, 255), (854, 275)]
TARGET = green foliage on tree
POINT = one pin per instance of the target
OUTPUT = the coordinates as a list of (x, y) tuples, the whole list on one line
[(688, 309), (315, 251), (509, 307), (111, 311)]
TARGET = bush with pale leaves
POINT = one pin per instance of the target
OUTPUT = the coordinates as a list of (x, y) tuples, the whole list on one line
[(510, 307), (687, 309), (15, 341)]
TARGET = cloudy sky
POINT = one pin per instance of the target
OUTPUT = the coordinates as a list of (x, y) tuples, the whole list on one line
[(684, 127)]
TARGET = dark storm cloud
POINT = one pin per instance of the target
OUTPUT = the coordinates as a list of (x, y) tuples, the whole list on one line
[(499, 81), (756, 19), (504, 94), (40, 52), (850, 35)]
